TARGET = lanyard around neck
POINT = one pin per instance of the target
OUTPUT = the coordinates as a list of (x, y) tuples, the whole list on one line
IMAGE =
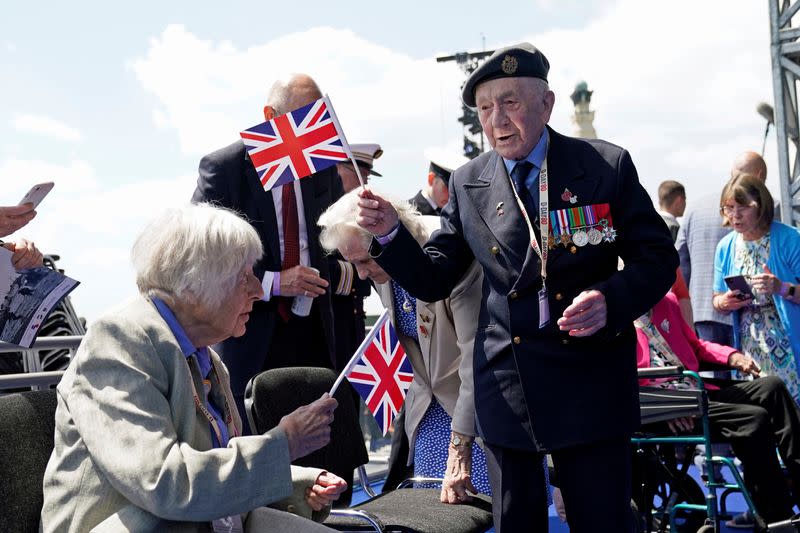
[(544, 219), (202, 408)]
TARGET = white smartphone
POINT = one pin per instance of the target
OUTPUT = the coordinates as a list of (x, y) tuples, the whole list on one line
[(37, 193)]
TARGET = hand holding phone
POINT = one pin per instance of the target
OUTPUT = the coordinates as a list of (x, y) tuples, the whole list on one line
[(36, 194), (739, 283)]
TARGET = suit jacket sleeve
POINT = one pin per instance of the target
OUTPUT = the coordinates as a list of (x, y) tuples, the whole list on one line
[(431, 272), (212, 183), (464, 304), (122, 388), (644, 245)]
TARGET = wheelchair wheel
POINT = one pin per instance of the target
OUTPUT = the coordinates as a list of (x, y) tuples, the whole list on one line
[(706, 529), (662, 484), (668, 493)]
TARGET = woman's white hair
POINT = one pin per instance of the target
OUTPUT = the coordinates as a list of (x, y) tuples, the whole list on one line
[(196, 250), (338, 222)]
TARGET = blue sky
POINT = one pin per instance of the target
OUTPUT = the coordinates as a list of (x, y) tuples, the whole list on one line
[(117, 102)]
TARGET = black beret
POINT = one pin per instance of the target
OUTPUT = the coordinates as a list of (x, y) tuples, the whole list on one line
[(519, 60), (441, 172)]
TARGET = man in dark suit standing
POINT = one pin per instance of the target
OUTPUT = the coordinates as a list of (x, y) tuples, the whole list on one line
[(555, 361), (431, 199), (293, 264)]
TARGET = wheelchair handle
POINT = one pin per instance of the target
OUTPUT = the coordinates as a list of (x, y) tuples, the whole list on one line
[(660, 372)]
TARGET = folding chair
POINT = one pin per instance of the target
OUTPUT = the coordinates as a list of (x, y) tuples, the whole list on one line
[(275, 393)]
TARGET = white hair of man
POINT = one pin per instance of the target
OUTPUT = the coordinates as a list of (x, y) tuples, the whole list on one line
[(195, 251), (291, 91), (338, 222)]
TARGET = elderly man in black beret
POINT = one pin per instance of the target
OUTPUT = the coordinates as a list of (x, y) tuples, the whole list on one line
[(547, 217)]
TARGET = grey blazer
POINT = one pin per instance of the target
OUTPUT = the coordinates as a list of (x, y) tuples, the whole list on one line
[(442, 361), (133, 454)]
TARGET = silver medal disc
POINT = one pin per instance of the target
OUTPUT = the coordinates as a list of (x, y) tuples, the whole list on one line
[(595, 237), (580, 238)]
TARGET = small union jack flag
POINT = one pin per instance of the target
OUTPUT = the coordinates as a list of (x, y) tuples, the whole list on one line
[(296, 144), (381, 372)]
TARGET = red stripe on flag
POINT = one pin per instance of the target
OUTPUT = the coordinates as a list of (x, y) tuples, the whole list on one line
[(387, 383), (320, 111), (268, 174), (328, 153)]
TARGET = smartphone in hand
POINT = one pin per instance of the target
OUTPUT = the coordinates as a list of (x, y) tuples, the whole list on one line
[(739, 283), (37, 194)]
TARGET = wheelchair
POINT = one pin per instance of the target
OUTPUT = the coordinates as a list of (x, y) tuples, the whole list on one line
[(667, 497)]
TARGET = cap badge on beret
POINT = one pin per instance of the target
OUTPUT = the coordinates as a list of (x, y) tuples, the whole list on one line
[(509, 65)]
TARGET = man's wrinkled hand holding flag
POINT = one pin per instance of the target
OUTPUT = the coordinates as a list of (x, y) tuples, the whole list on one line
[(296, 144), (380, 371)]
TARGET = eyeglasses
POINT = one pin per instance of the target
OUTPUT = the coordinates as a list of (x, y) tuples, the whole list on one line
[(729, 210)]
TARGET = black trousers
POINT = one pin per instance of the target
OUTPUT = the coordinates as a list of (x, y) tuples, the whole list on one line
[(595, 481), (298, 342), (708, 330), (755, 417)]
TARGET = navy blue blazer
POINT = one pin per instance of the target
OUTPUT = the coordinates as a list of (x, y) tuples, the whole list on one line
[(227, 178), (540, 389)]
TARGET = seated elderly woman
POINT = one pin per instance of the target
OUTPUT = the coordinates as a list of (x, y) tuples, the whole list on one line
[(754, 416), (438, 338), (147, 436)]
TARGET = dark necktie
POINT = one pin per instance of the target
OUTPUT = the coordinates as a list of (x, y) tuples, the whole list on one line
[(291, 241), (518, 175)]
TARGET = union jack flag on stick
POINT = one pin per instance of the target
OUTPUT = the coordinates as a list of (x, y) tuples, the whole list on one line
[(296, 144), (380, 372)]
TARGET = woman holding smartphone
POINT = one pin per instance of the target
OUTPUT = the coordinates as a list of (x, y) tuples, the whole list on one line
[(767, 253)]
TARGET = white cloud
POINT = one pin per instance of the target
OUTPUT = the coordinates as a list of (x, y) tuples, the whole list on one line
[(18, 175), (667, 86), (678, 91), (47, 126), (208, 92)]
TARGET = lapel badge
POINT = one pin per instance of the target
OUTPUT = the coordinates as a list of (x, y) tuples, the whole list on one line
[(567, 196), (499, 209), (423, 330), (665, 325)]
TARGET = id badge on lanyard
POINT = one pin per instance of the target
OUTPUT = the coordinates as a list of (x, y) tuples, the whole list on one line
[(544, 227)]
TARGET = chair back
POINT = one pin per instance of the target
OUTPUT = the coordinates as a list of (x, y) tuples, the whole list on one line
[(275, 393), (27, 428)]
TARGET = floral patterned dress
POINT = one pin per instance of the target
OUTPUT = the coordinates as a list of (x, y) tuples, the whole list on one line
[(763, 336)]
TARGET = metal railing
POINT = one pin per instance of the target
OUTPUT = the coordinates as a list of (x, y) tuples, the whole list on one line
[(33, 377)]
